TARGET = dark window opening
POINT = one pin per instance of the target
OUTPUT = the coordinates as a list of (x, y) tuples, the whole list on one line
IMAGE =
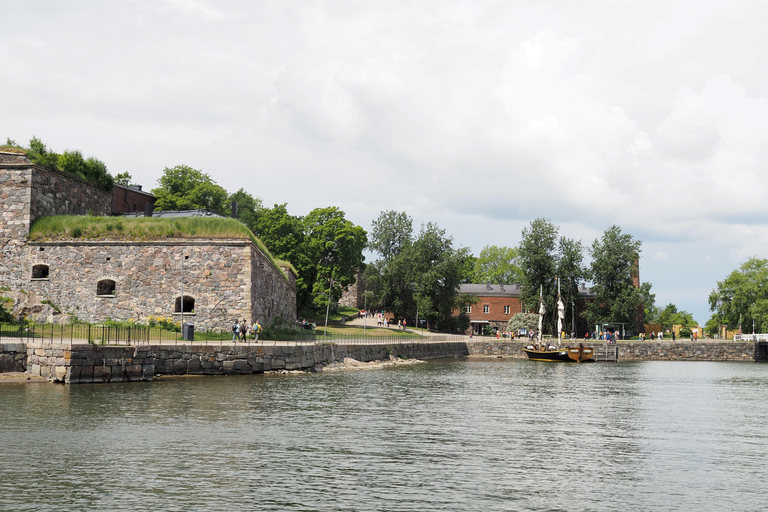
[(42, 249), (105, 287), (40, 272), (189, 304), (108, 259)]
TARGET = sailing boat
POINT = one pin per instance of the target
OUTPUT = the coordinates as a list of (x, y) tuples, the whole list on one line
[(545, 352)]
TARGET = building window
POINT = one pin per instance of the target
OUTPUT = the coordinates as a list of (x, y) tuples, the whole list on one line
[(506, 310), (189, 305), (105, 287), (468, 308), (40, 272), (486, 308)]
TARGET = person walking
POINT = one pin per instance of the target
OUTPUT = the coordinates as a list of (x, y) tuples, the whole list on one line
[(256, 330), (235, 330)]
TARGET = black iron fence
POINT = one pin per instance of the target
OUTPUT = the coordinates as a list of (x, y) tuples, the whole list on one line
[(138, 335)]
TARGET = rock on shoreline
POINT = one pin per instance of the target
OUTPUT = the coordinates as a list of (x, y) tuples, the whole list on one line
[(353, 364)]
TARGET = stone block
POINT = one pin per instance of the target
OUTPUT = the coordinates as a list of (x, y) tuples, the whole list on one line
[(195, 367), (101, 373), (59, 373), (179, 367), (148, 372), (86, 374)]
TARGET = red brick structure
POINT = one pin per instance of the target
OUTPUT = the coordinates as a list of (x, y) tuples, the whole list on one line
[(496, 304), (131, 199)]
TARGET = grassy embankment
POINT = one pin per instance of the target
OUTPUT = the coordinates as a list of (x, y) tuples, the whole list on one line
[(86, 227)]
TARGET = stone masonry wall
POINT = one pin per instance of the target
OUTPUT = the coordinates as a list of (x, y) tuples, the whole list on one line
[(13, 357), (73, 364), (28, 192), (218, 275), (54, 193), (645, 351), (272, 296)]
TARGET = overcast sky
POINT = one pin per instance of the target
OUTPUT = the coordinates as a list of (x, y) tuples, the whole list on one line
[(477, 115)]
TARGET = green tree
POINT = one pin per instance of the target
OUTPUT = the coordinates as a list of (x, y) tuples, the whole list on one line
[(538, 261), (41, 155), (742, 297), (712, 327), (571, 272), (523, 321), (497, 265), (124, 178), (437, 270), (614, 271), (670, 315), (421, 276), (248, 208), (334, 249), (185, 188), (392, 232)]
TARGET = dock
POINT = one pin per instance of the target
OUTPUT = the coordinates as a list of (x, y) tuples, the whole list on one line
[(606, 352)]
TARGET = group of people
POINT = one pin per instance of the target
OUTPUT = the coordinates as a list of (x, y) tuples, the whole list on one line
[(241, 330)]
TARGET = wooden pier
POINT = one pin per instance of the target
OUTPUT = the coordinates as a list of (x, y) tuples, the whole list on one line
[(606, 352)]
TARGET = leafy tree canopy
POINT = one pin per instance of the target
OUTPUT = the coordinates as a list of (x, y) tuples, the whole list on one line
[(333, 247), (392, 232), (613, 272), (742, 297), (92, 170), (422, 277), (185, 188), (523, 321), (124, 178), (248, 208), (547, 260), (669, 316), (497, 265)]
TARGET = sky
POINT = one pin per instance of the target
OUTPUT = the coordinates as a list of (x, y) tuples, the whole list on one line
[(478, 115)]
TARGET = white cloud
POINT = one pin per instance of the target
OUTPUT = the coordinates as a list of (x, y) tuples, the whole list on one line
[(478, 115)]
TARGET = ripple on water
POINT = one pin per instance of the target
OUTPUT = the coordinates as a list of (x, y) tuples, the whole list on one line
[(451, 435)]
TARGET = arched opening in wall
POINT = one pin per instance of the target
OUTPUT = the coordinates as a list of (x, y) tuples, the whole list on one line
[(40, 272), (189, 305), (105, 287)]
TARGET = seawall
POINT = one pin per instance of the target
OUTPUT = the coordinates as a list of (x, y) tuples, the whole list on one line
[(641, 351), (85, 363)]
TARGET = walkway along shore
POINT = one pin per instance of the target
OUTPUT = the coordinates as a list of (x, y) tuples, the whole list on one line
[(73, 363)]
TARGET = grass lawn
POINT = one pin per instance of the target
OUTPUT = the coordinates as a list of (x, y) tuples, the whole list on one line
[(370, 332), (319, 318)]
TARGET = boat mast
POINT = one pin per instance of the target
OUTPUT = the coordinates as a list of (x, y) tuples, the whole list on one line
[(542, 310), (560, 314)]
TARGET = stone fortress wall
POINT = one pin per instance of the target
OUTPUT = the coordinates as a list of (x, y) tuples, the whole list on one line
[(94, 280)]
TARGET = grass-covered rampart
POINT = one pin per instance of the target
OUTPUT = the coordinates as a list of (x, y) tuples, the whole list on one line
[(143, 229)]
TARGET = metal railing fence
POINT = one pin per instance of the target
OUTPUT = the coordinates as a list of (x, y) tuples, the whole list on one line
[(139, 335)]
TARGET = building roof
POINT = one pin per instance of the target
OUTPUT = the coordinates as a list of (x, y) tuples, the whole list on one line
[(506, 290), (498, 290)]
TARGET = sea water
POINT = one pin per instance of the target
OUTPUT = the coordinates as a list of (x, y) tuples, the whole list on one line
[(464, 434)]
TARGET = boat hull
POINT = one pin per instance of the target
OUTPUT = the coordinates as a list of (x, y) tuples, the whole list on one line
[(568, 354)]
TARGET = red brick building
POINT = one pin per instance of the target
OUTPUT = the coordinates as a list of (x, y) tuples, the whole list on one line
[(498, 303), (131, 199)]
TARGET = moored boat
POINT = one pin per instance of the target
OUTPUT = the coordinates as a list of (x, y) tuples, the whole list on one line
[(578, 354)]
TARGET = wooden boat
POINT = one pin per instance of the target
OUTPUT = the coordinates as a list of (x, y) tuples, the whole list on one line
[(578, 354)]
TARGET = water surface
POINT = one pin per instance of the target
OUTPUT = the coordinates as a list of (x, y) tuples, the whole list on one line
[(470, 435)]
